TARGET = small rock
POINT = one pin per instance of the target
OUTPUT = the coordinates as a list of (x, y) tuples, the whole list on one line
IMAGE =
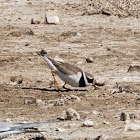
[(60, 129), (79, 34), (116, 103), (88, 123), (105, 122), (103, 137), (39, 102), (79, 62), (89, 60), (70, 114), (51, 17), (100, 82), (117, 89), (134, 68), (29, 32), (123, 116), (132, 126), (17, 79), (27, 44), (75, 98), (132, 116), (95, 112), (67, 98), (59, 102), (29, 102), (38, 138), (105, 12), (35, 20), (113, 91)]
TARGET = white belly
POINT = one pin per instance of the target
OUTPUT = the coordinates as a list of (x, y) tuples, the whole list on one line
[(72, 80)]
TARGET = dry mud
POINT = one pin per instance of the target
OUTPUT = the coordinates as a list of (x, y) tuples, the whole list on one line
[(111, 42)]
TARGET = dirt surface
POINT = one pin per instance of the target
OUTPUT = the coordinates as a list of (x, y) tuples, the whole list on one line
[(111, 42)]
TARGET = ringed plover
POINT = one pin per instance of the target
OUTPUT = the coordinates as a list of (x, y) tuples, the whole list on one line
[(69, 73)]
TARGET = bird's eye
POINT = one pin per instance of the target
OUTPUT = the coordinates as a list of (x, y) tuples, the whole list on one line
[(89, 80)]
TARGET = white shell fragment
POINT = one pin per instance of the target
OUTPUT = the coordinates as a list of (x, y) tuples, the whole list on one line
[(60, 129), (88, 123)]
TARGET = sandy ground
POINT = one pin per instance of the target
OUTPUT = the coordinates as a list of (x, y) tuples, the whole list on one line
[(112, 43)]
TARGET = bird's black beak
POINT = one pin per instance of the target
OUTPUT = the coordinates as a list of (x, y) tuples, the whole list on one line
[(41, 53)]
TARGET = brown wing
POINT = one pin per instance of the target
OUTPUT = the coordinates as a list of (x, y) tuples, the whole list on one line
[(66, 68)]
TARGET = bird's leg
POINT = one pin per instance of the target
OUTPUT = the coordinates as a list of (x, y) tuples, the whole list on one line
[(55, 82)]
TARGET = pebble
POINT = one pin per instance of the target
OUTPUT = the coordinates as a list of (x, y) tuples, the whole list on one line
[(95, 112), (88, 123), (133, 126), (134, 68), (123, 116), (16, 79), (103, 137), (29, 102), (59, 102), (89, 60), (51, 17), (79, 62), (79, 34), (104, 122), (100, 82), (35, 20), (69, 114), (75, 98), (60, 129), (39, 102)]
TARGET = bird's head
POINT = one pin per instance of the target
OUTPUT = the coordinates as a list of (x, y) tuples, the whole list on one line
[(41, 53)]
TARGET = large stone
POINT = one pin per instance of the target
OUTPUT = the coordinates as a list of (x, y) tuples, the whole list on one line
[(69, 114), (51, 17), (134, 68)]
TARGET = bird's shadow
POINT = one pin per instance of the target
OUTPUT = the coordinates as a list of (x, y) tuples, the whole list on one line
[(52, 90)]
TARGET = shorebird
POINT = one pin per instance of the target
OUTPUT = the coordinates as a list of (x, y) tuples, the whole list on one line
[(69, 73), (7, 129)]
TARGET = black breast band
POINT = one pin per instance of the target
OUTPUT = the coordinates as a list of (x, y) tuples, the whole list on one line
[(82, 81)]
